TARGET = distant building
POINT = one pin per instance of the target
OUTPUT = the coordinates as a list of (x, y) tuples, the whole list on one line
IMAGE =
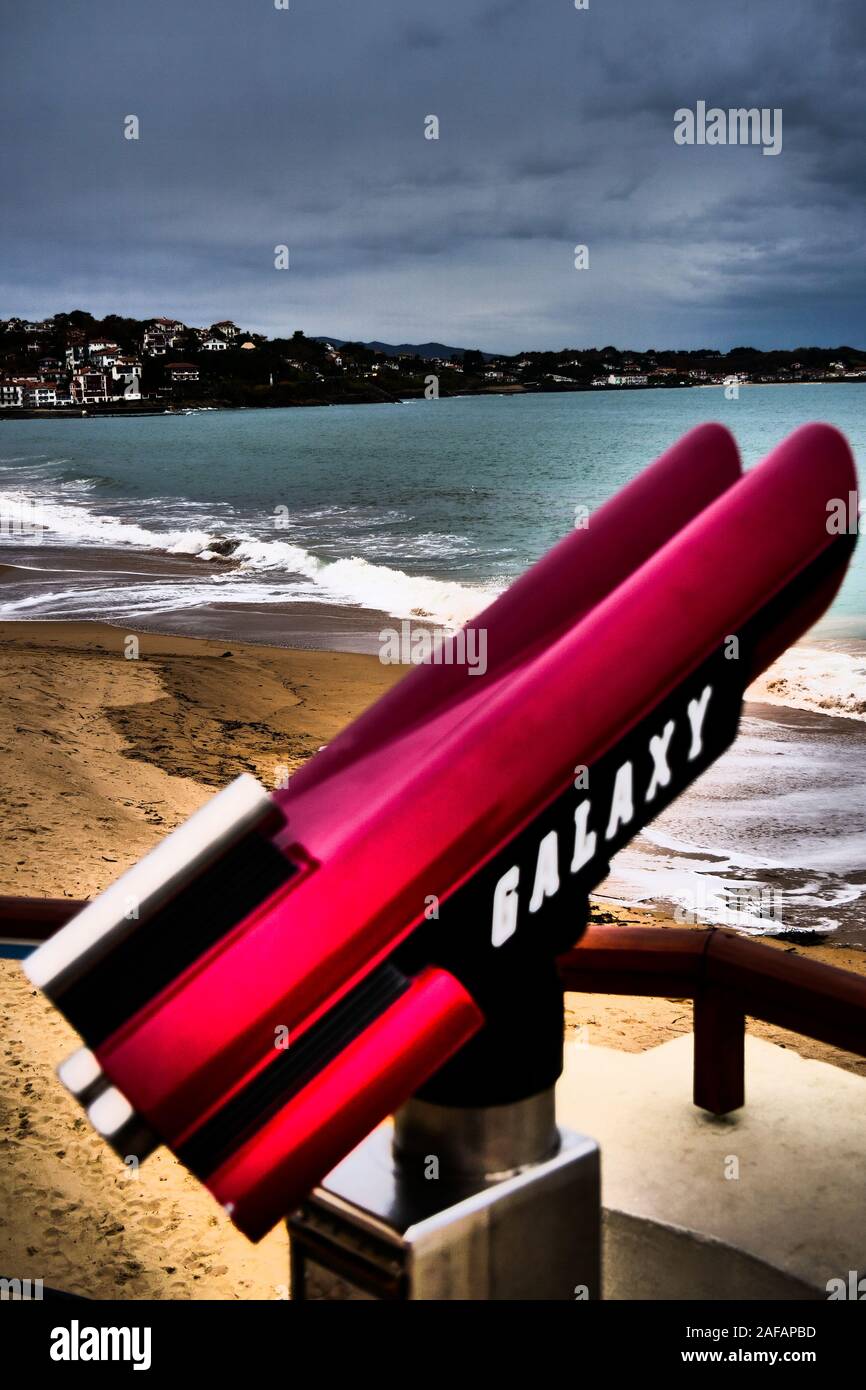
[(97, 345), (214, 345), (41, 396), (11, 394), (182, 371), (226, 328), (154, 343), (161, 334), (169, 327), (36, 395), (104, 356), (125, 380), (89, 388)]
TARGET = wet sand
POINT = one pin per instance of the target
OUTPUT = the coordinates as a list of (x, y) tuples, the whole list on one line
[(29, 570)]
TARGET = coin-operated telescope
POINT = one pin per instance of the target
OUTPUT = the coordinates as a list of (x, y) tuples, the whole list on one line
[(284, 971)]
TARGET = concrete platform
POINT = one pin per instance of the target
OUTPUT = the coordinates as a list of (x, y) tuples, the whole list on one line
[(678, 1222)]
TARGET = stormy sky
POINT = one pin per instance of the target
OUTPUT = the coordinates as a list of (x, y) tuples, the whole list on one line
[(305, 127)]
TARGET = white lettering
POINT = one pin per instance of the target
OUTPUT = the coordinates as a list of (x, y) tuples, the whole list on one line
[(697, 713), (76, 1343), (658, 748), (546, 871), (584, 841), (505, 904), (622, 803)]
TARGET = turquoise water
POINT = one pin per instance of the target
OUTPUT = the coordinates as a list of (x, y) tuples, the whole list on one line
[(431, 506)]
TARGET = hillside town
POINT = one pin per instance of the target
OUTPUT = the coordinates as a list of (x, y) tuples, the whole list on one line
[(76, 363)]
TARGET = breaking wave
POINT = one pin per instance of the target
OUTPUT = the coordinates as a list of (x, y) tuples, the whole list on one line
[(351, 580), (821, 680)]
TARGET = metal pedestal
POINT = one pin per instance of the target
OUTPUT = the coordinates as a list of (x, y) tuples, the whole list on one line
[(451, 1203)]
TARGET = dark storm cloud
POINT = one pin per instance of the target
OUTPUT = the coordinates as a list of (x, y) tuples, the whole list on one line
[(305, 127)]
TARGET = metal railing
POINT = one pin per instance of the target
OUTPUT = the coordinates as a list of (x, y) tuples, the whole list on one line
[(729, 977)]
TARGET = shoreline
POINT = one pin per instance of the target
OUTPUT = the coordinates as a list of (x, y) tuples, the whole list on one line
[(308, 624), (517, 389), (303, 625)]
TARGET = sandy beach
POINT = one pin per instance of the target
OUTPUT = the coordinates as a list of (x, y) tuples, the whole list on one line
[(104, 756)]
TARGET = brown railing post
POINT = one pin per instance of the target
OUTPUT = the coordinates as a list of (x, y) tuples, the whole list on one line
[(729, 977), (719, 1067)]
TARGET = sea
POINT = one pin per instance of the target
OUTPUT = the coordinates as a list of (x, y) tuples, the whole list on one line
[(306, 526)]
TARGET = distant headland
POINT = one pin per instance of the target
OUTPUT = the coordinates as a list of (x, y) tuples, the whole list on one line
[(75, 363)]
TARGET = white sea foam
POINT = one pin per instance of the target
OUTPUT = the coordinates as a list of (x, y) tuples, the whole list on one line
[(705, 893), (348, 580), (809, 678), (824, 681)]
